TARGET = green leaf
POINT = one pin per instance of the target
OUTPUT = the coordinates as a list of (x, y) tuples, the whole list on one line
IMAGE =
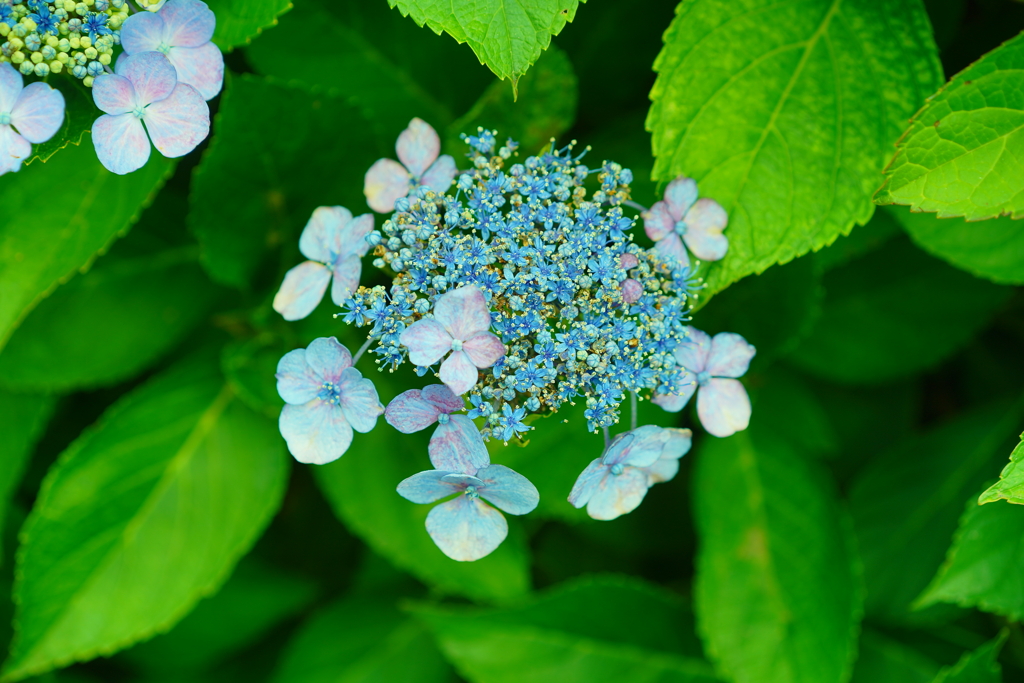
[(544, 109), (362, 640), (992, 249), (258, 182), (784, 400), (361, 488), (256, 598), (1010, 486), (884, 660), (22, 418), (506, 35), (887, 315), (982, 567), (785, 113), (239, 21), (143, 515), (768, 608), (868, 238), (249, 367), (907, 501), (59, 233), (963, 154), (979, 666), (79, 115), (594, 630), (126, 313)]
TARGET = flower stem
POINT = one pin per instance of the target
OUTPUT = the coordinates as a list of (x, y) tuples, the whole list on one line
[(362, 350), (607, 438), (632, 414), (639, 207)]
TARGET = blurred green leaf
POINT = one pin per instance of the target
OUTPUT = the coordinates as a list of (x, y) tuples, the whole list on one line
[(79, 115), (361, 488), (962, 155), (145, 513), (59, 233), (590, 631), (785, 114), (506, 35), (861, 241), (1010, 486), (544, 109), (784, 400), (979, 666), (239, 21), (892, 313), (907, 501), (22, 419), (249, 367), (992, 249), (884, 660), (362, 640), (126, 313), (982, 567), (776, 593)]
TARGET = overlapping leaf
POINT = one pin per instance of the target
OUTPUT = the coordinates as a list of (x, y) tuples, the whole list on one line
[(979, 666), (239, 21), (1011, 480)]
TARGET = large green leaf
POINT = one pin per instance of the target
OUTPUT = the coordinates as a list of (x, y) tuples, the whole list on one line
[(887, 315), (786, 401), (979, 666), (270, 163), (785, 112), (506, 35), (79, 115), (907, 501), (878, 231), (362, 640), (992, 249), (777, 595), (58, 233), (963, 154), (144, 514), (239, 21), (983, 566), (884, 660), (126, 312), (1010, 486), (591, 631)]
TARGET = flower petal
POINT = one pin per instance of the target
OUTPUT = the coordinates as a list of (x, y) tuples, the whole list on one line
[(693, 352), (359, 400), (296, 381), (321, 238), (39, 112), (618, 495), (440, 175), (302, 289), (201, 67), (427, 487), (647, 446), (587, 483), (152, 76), (418, 147), (121, 143), (704, 225), (13, 150), (190, 23), (484, 349), (11, 84), (463, 312), (730, 355), (346, 279), (113, 94), (618, 449), (328, 358), (508, 490), (459, 373), (673, 403), (671, 251), (462, 480), (409, 412), (386, 181), (678, 443), (179, 122), (426, 340), (658, 223), (664, 469), (723, 407), (316, 432), (352, 239), (680, 195), (466, 528), (142, 32), (457, 446), (442, 397)]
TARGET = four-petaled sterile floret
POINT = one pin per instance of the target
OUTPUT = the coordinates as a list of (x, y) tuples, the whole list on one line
[(28, 115), (683, 218), (418, 148)]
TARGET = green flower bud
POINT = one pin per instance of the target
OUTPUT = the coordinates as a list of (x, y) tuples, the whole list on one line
[(75, 42), (29, 25), (91, 53), (85, 41), (17, 43), (56, 67), (27, 68), (64, 45), (4, 29), (87, 81), (104, 59), (37, 57), (63, 58), (69, 5), (18, 57), (52, 41), (42, 69)]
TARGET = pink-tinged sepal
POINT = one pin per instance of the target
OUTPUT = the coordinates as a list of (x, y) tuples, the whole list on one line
[(297, 383), (440, 175), (179, 122), (466, 528), (427, 341), (658, 222), (358, 400), (427, 487), (484, 349), (463, 312), (723, 407), (409, 412), (121, 143), (315, 433), (459, 373), (302, 289), (38, 113), (457, 446), (680, 195), (328, 358), (705, 222), (508, 490), (386, 182), (730, 355), (418, 147)]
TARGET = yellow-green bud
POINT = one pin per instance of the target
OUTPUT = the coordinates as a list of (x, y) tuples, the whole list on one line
[(75, 42), (56, 66), (29, 24), (87, 81), (17, 43), (42, 69), (90, 53), (37, 57), (4, 29), (105, 59), (69, 5), (85, 41), (52, 41), (64, 45), (63, 58), (18, 57)]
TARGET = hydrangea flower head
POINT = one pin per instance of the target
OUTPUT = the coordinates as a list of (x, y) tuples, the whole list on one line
[(469, 526), (418, 148), (145, 90), (722, 403), (28, 114), (682, 217), (461, 324), (456, 445), (616, 483), (334, 242), (326, 399), (181, 30)]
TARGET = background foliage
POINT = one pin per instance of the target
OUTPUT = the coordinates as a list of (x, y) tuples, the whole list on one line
[(156, 530)]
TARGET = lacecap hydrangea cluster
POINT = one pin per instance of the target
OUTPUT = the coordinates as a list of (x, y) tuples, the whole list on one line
[(152, 68), (517, 283)]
